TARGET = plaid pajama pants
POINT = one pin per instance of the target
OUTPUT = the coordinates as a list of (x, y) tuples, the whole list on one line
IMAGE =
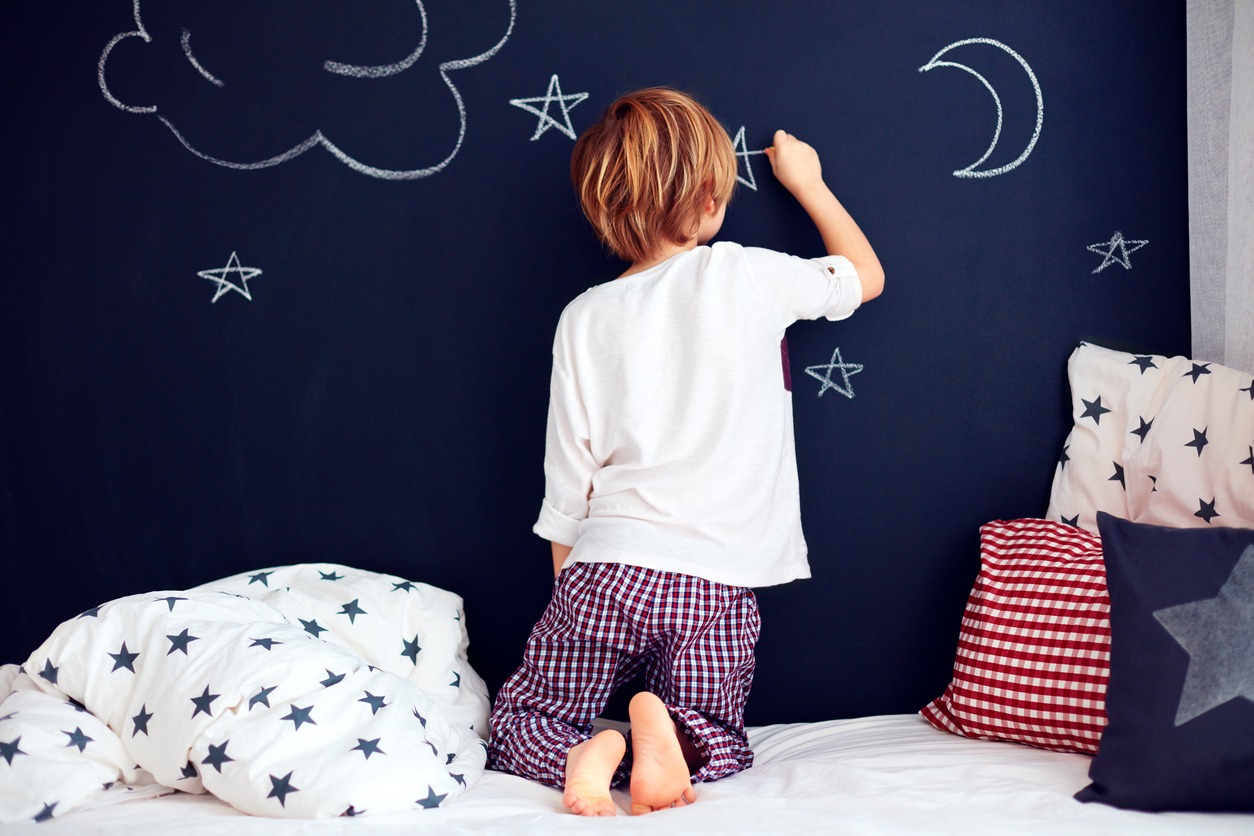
[(692, 638)]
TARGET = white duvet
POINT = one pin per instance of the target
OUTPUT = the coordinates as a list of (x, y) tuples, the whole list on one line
[(300, 691)]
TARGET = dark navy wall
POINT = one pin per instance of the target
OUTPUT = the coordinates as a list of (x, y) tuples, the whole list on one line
[(378, 396)]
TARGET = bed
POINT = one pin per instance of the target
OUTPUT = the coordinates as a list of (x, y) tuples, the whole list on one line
[(1103, 680), (886, 774)]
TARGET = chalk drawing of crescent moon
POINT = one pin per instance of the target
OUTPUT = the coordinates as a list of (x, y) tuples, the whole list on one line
[(973, 169)]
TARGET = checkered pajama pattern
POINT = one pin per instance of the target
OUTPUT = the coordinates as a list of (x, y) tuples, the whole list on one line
[(692, 638)]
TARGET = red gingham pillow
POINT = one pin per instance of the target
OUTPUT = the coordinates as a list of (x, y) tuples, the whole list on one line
[(1034, 650)]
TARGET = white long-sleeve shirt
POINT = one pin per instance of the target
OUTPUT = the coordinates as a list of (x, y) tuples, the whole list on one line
[(670, 435)]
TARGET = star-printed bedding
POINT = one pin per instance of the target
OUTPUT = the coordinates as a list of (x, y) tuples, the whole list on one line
[(299, 691)]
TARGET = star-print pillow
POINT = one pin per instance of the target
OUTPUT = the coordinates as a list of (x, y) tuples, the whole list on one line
[(1180, 702), (1034, 647), (287, 704), (1161, 440)]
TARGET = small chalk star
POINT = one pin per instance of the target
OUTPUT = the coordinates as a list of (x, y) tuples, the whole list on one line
[(225, 284), (565, 103), (741, 148), (837, 363), (1107, 250)]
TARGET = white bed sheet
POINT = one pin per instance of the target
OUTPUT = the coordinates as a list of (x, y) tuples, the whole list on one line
[(873, 775)]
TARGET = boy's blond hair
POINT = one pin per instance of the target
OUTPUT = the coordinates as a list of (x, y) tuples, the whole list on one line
[(644, 171)]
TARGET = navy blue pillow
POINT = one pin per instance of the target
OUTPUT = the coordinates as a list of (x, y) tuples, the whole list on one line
[(1180, 701)]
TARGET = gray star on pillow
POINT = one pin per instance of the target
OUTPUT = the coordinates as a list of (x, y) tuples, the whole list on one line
[(1215, 632)]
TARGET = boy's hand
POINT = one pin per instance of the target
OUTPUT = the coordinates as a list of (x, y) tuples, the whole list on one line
[(795, 163), (796, 166)]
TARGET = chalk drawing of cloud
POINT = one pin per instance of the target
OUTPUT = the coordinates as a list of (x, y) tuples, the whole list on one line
[(179, 44)]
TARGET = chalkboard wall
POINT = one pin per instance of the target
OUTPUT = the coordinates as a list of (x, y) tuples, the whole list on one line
[(281, 279)]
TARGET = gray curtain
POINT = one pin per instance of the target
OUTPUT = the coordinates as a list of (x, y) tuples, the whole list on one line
[(1221, 180)]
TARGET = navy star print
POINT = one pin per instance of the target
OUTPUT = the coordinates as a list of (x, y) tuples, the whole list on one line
[(10, 750), (123, 659), (77, 738), (432, 800), (180, 642), (1199, 440), (203, 702), (1207, 510), (281, 788), (218, 756), (299, 716), (262, 697), (141, 720), (368, 747), (374, 702), (1094, 409), (1197, 371), (352, 611), (261, 578)]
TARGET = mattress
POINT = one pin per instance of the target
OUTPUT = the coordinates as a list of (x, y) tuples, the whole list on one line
[(882, 774)]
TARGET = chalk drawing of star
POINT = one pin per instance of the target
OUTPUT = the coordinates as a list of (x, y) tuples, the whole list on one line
[(837, 364), (565, 103), (1220, 668), (742, 156), (221, 274), (1107, 251)]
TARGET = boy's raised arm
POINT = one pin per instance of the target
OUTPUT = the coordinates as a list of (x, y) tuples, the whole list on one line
[(796, 166)]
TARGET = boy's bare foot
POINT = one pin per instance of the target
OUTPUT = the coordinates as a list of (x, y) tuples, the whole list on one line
[(590, 767), (659, 774)]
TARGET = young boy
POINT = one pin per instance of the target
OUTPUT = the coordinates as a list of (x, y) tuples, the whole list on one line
[(671, 478)]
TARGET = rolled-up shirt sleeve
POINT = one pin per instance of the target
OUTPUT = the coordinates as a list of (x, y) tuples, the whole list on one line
[(568, 462), (794, 288)]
